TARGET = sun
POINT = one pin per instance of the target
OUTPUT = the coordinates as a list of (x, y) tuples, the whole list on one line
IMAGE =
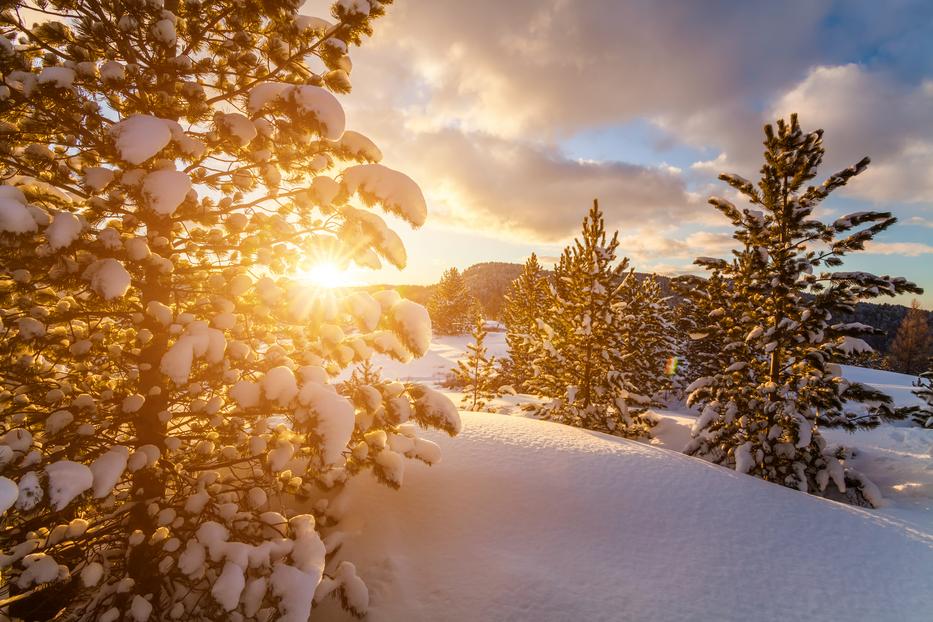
[(326, 274)]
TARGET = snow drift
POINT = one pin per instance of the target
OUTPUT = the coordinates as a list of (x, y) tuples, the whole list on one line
[(528, 520)]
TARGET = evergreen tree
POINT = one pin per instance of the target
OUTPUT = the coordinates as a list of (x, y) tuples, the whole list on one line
[(871, 359), (923, 414), (701, 344), (527, 297), (476, 373), (166, 170), (913, 342), (774, 386), (581, 365), (452, 306), (648, 335)]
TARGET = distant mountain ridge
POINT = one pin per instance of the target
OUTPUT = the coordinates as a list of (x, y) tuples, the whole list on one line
[(489, 281)]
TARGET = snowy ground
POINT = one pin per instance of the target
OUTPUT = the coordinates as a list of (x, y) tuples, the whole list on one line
[(529, 520)]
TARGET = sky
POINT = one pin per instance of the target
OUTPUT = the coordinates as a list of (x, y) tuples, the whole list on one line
[(513, 116)]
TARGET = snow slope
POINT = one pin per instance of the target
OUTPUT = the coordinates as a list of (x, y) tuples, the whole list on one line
[(441, 357), (897, 457), (898, 386), (529, 520)]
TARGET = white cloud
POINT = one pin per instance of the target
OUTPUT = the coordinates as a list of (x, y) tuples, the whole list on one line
[(920, 221), (869, 113), (909, 249), (519, 190), (481, 92)]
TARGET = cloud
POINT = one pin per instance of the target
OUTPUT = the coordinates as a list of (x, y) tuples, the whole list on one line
[(651, 247), (554, 67), (865, 112), (920, 221), (909, 249), (481, 94), (510, 188)]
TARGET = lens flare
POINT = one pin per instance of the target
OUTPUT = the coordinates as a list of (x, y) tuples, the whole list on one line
[(326, 274)]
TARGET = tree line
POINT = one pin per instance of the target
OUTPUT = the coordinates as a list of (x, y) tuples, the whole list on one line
[(488, 282)]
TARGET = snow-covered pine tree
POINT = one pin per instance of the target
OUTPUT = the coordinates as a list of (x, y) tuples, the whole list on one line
[(453, 308), (581, 365), (762, 411), (922, 414), (166, 169), (525, 300), (913, 343), (701, 344), (648, 335), (476, 374)]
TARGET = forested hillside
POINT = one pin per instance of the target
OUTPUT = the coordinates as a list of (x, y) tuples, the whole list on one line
[(490, 280)]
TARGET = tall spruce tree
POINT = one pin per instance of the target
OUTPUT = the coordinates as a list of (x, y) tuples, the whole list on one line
[(913, 343), (476, 375), (648, 335), (453, 308), (165, 171), (581, 365), (525, 300), (761, 412)]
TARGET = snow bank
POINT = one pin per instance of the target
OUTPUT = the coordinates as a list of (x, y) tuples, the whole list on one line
[(532, 520), (442, 355), (898, 386)]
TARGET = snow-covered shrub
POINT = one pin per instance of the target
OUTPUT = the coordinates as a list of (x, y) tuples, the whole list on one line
[(164, 375), (773, 384), (476, 375), (580, 348)]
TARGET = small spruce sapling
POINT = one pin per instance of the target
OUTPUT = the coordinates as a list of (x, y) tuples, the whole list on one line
[(477, 374)]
